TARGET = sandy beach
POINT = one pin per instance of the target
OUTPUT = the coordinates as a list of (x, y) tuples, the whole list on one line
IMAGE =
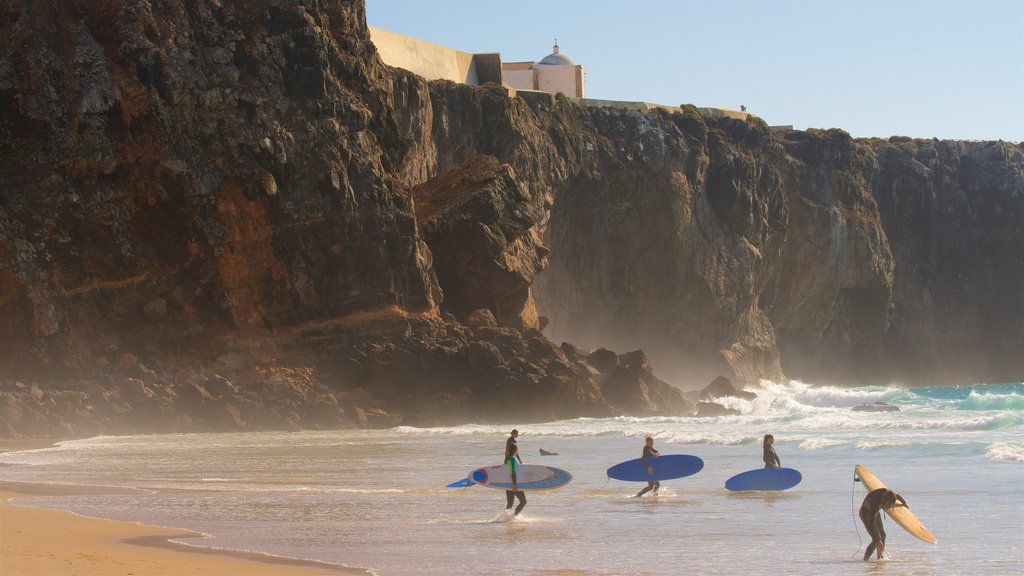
[(49, 542), (42, 542)]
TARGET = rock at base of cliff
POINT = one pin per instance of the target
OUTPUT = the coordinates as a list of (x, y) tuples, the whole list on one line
[(722, 387), (876, 407), (712, 409)]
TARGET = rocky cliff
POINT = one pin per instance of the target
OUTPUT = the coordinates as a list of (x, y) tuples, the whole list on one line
[(722, 247), (241, 190)]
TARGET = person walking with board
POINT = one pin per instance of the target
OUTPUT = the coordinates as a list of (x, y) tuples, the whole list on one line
[(871, 516), (513, 460), (771, 459), (649, 453), (772, 477)]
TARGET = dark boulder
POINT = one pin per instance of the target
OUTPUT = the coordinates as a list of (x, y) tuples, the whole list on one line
[(711, 409), (722, 387), (878, 406)]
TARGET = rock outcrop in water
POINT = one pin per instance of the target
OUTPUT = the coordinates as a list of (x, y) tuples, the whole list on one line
[(878, 406), (208, 186)]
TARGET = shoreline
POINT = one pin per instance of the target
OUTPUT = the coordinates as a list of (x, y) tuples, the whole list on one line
[(22, 444), (90, 546)]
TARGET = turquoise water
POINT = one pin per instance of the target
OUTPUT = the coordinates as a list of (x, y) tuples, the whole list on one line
[(375, 499)]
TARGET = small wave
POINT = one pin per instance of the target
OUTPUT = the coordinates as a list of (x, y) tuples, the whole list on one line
[(1005, 452), (524, 518), (846, 420), (331, 490), (697, 438), (824, 396), (250, 480), (820, 443), (503, 517), (865, 445), (582, 427), (992, 401)]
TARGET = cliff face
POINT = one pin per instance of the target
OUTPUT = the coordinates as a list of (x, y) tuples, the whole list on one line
[(954, 216), (219, 183), (721, 247), (188, 178)]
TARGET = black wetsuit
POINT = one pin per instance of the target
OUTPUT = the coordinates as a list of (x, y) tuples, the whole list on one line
[(511, 455), (871, 516), (771, 459), (649, 452)]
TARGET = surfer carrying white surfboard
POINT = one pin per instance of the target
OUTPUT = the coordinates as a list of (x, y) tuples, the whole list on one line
[(513, 460), (649, 452), (871, 516), (771, 459)]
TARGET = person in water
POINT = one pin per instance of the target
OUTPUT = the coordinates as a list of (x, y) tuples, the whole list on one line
[(771, 459), (513, 460), (649, 453), (871, 516)]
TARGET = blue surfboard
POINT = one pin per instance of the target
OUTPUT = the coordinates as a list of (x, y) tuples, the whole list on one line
[(764, 479), (461, 483), (666, 467)]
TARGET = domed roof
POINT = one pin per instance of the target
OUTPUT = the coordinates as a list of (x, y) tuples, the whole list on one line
[(556, 59)]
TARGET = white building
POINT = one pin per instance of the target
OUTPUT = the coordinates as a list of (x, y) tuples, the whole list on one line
[(555, 73)]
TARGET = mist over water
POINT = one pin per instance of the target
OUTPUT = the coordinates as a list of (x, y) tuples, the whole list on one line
[(376, 499)]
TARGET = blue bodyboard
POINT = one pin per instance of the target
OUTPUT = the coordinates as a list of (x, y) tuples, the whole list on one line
[(461, 483), (764, 479), (666, 467)]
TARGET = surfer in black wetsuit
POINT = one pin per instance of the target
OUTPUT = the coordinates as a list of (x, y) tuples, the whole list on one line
[(649, 452), (771, 459), (871, 516), (513, 460)]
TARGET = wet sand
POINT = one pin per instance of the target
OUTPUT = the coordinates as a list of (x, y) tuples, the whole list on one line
[(37, 541)]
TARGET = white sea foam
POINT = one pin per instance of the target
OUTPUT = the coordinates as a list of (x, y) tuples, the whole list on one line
[(700, 438), (796, 393), (869, 445), (1005, 452), (820, 443), (846, 420)]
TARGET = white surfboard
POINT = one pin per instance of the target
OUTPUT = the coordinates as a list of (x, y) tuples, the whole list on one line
[(529, 476)]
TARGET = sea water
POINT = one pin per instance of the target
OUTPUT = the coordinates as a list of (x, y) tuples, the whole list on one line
[(376, 499)]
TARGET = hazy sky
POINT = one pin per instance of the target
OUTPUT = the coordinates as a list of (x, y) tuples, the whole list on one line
[(951, 70)]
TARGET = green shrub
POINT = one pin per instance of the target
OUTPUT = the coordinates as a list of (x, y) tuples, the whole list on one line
[(690, 110), (566, 101)]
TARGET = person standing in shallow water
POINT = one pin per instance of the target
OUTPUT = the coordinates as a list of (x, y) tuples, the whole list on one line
[(513, 460), (645, 459), (871, 516), (771, 459)]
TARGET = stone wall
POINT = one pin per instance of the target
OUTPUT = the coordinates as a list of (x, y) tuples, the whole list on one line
[(429, 60)]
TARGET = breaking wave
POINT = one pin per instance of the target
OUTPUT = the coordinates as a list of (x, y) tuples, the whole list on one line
[(820, 443), (1005, 452)]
